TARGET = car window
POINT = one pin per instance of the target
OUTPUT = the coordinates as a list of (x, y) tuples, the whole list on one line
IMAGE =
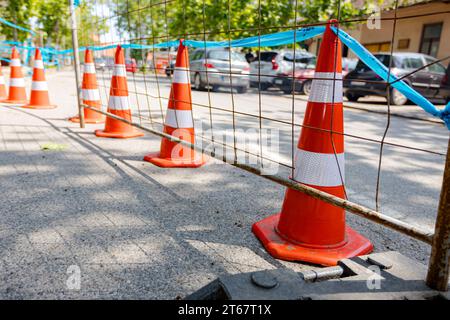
[(197, 55), (225, 55), (268, 56), (412, 63), (306, 63), (384, 59), (288, 56), (437, 67)]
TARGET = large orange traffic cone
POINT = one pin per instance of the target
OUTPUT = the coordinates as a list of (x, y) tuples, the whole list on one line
[(118, 103), (178, 122), (3, 95), (39, 89), (17, 94), (91, 95), (308, 229)]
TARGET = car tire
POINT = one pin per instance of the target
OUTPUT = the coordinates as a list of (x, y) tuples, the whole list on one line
[(306, 88), (265, 85), (352, 97), (396, 98), (241, 89), (198, 83)]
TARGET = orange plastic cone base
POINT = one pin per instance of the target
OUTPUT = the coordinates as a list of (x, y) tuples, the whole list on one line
[(89, 117), (265, 231), (197, 161), (12, 101), (76, 119), (31, 106), (118, 129), (118, 135)]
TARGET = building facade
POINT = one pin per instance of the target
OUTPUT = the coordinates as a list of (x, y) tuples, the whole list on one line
[(423, 28)]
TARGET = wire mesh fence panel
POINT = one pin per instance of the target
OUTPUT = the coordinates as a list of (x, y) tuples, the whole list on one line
[(252, 73)]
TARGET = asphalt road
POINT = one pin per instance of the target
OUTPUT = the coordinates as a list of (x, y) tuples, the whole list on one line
[(410, 179)]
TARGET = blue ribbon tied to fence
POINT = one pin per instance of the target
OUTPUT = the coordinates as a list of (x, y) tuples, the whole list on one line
[(380, 69)]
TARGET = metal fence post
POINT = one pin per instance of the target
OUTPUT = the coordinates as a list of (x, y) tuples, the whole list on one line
[(438, 270), (76, 60)]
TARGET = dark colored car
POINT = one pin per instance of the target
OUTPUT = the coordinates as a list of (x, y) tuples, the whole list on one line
[(431, 81), (170, 68)]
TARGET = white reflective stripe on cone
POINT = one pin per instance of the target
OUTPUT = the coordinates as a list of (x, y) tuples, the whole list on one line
[(179, 118), (119, 70), (91, 94), (14, 63), (17, 82), (2, 80), (181, 75), (38, 64), (319, 169), (89, 68), (322, 89), (39, 86), (118, 103)]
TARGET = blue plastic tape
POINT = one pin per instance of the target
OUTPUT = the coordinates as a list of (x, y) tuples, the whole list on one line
[(12, 25), (380, 69)]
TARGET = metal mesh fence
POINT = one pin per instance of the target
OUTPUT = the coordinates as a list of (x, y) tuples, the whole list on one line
[(394, 157)]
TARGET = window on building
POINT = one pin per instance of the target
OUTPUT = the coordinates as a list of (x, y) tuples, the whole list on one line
[(378, 47), (431, 36)]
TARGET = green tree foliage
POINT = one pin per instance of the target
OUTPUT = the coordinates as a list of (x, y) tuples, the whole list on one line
[(50, 19), (18, 12), (53, 16)]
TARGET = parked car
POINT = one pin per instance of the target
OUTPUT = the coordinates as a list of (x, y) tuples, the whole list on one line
[(131, 65), (430, 81), (303, 78), (100, 64), (213, 67), (109, 63), (271, 64)]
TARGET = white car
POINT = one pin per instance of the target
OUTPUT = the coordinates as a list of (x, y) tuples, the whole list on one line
[(273, 64)]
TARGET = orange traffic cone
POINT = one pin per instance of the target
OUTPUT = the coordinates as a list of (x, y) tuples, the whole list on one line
[(308, 229), (3, 95), (17, 94), (39, 90), (91, 95), (178, 121), (118, 103)]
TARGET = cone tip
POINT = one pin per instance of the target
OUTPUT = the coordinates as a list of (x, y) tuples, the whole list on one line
[(332, 22)]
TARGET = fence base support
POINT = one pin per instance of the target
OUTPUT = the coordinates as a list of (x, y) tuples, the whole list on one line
[(377, 276)]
